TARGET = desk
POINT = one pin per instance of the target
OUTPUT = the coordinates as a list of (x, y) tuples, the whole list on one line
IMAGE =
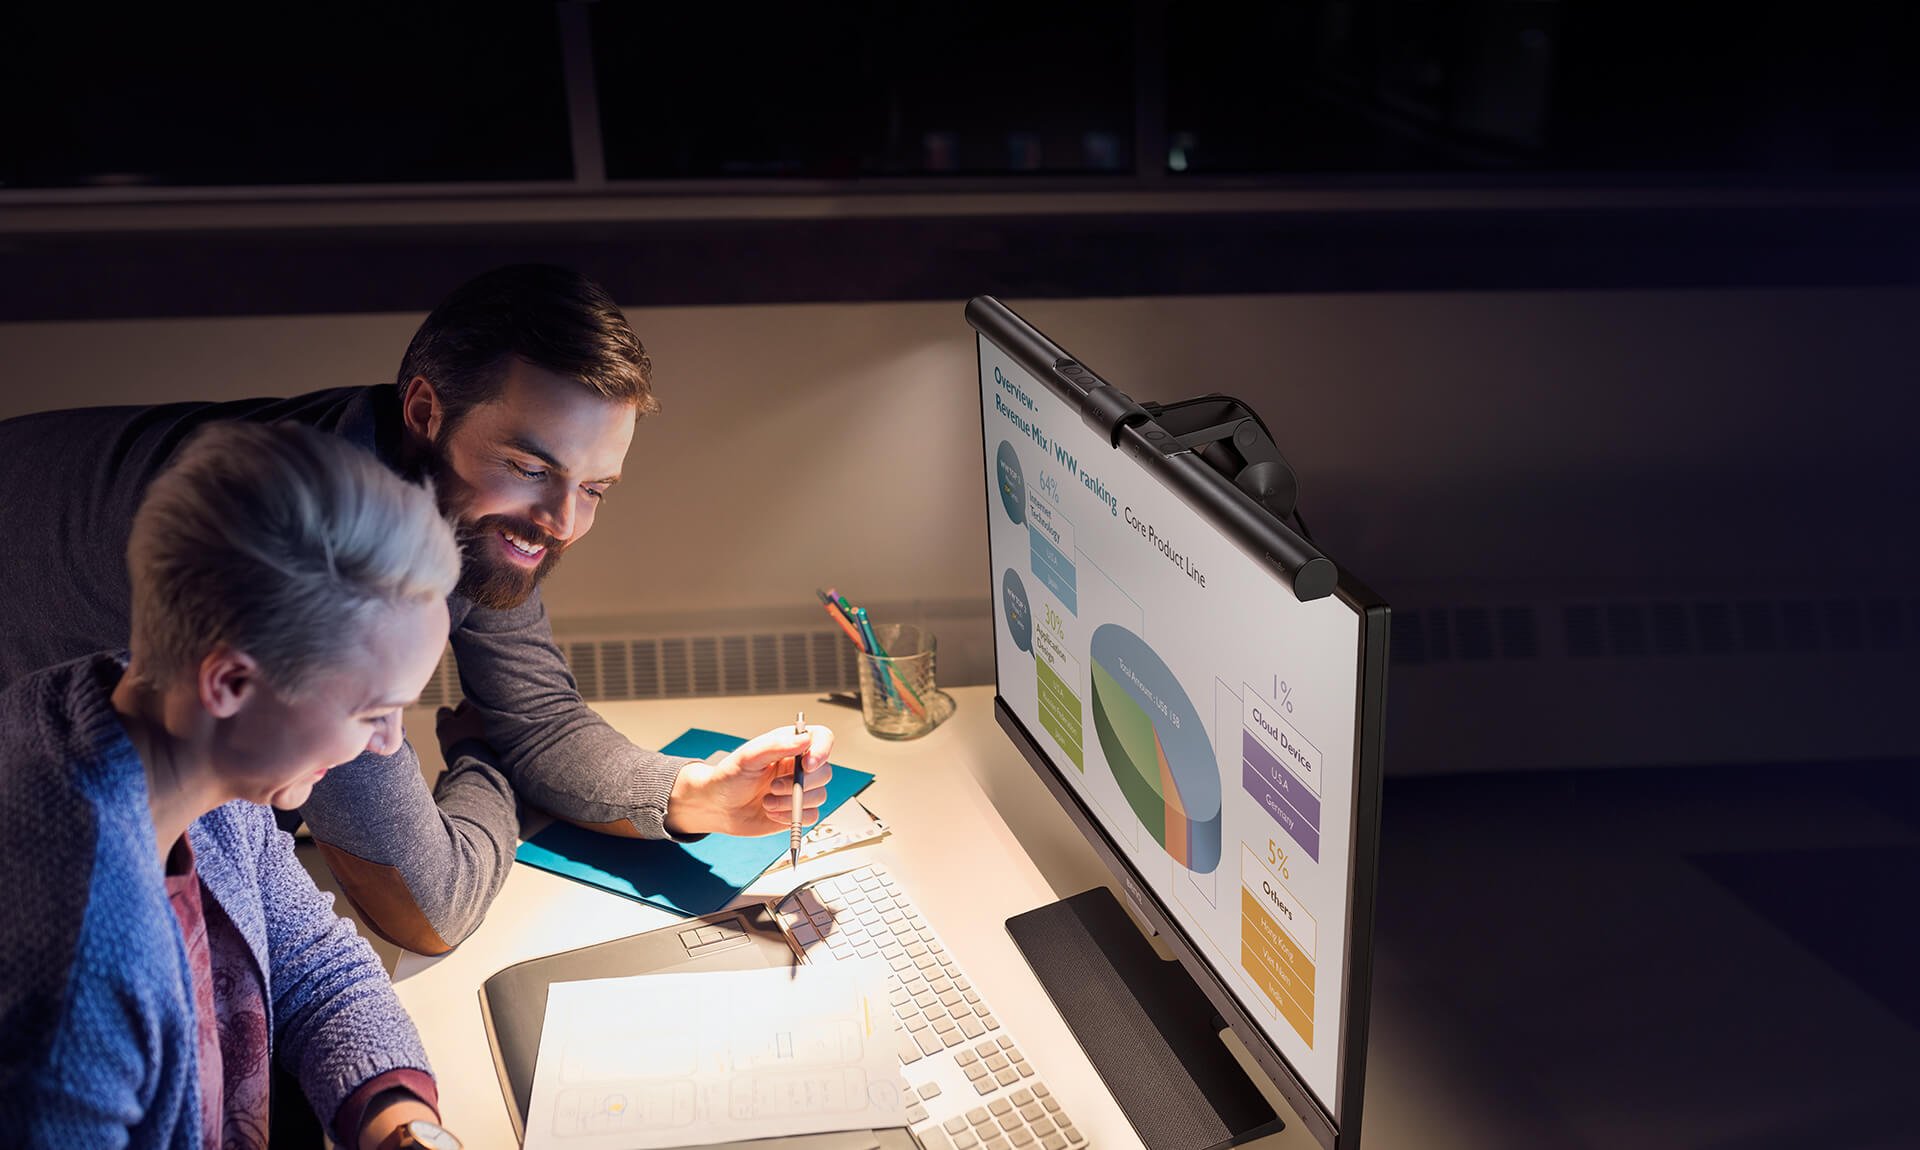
[(949, 848)]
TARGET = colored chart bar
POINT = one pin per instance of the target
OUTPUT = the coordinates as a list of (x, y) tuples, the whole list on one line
[(1277, 940), (1263, 762), (1052, 543), (1276, 965), (1272, 785), (1060, 712)]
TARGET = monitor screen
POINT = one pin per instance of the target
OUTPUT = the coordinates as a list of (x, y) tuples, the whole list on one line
[(1218, 734)]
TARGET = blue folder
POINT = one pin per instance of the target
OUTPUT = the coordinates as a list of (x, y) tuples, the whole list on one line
[(686, 878)]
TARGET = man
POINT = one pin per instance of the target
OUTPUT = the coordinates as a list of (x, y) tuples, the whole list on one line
[(161, 941), (518, 396)]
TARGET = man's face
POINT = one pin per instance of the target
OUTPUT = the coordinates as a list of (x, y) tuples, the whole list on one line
[(522, 476), (274, 749)]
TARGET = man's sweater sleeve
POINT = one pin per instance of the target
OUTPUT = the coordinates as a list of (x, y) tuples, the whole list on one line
[(560, 756), (421, 868)]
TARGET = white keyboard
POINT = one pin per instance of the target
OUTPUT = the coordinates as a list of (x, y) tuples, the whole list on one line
[(970, 1085)]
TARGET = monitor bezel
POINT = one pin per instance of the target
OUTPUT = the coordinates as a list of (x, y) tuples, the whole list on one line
[(1039, 356)]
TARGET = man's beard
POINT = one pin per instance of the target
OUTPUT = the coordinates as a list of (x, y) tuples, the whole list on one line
[(486, 579), (491, 581)]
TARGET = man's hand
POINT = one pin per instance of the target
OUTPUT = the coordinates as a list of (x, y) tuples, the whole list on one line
[(750, 792)]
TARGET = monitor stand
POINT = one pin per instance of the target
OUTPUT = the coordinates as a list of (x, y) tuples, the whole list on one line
[(1145, 1026)]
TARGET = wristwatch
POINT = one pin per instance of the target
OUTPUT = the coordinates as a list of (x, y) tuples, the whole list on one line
[(420, 1134)]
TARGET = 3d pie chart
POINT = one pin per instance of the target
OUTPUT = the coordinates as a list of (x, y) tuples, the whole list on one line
[(1161, 758)]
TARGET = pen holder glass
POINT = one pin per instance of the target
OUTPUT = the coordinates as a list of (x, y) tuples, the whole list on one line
[(897, 695)]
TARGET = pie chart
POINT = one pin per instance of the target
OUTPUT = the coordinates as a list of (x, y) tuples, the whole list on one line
[(1156, 747)]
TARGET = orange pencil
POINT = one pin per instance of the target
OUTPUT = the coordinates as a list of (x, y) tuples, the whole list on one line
[(836, 616)]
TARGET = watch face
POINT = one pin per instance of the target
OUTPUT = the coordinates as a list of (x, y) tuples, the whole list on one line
[(431, 1136)]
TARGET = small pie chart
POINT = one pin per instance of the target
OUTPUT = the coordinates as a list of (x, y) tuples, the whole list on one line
[(1156, 747)]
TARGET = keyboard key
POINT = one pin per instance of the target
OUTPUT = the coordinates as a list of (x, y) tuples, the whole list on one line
[(997, 1142), (998, 1107), (916, 1113), (990, 1022), (1074, 1137), (936, 1139), (1040, 1090), (972, 1027), (954, 1037), (997, 1061), (1022, 1137), (805, 935), (966, 1057), (1006, 1042), (965, 1141), (985, 1085), (1010, 1122), (978, 1070), (1022, 1096), (954, 1125), (930, 1043), (1053, 1104), (1053, 1141), (930, 1090), (1043, 1125), (985, 1048), (1007, 1077)]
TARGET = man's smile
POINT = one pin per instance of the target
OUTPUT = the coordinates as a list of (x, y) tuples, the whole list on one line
[(523, 549)]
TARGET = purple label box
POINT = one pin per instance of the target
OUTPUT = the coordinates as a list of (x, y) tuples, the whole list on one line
[(1291, 821), (1280, 778)]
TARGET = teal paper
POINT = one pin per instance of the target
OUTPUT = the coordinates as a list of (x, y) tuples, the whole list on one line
[(686, 878)]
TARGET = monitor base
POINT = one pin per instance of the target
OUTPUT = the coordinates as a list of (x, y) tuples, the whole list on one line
[(1145, 1026)]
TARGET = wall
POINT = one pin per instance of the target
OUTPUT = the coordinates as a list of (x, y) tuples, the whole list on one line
[(1491, 449)]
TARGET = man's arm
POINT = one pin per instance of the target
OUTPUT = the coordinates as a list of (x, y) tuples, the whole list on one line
[(421, 868), (566, 760), (561, 756)]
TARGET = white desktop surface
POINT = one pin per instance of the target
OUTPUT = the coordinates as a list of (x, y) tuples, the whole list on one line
[(948, 846)]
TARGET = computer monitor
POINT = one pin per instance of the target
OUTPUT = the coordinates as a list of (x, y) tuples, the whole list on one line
[(1203, 693)]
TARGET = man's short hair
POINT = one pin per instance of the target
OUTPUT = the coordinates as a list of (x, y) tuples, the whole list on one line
[(281, 542), (552, 317)]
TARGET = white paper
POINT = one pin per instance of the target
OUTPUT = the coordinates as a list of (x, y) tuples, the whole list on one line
[(690, 1059), (849, 826)]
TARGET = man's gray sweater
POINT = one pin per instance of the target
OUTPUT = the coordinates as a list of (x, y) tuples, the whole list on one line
[(421, 866)]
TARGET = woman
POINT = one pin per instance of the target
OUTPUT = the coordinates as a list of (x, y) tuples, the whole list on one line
[(289, 599)]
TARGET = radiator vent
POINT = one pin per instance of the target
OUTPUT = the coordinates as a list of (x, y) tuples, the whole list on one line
[(764, 663), (1640, 629)]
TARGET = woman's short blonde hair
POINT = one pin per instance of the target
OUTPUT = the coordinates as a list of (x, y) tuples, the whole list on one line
[(281, 542)]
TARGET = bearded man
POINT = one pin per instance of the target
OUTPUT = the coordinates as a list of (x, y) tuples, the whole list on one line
[(518, 397)]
